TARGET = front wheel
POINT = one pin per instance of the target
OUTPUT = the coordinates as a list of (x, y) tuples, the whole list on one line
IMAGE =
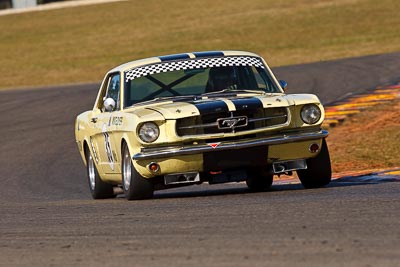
[(318, 172), (135, 186), (98, 188)]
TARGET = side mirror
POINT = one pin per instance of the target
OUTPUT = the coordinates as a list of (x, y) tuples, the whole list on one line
[(283, 84), (109, 104)]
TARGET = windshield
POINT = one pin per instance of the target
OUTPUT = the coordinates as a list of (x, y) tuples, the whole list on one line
[(189, 79)]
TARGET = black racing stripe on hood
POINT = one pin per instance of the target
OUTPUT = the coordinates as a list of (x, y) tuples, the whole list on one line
[(210, 107), (247, 103)]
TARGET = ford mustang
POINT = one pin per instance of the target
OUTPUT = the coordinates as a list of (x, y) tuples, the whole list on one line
[(185, 119)]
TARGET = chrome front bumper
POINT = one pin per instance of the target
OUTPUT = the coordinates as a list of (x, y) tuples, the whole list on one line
[(156, 153)]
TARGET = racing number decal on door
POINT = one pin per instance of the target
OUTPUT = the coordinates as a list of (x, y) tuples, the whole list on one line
[(107, 145)]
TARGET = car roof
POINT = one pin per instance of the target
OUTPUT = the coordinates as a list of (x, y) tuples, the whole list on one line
[(192, 55)]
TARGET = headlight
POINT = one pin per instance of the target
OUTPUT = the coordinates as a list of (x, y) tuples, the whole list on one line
[(149, 132), (310, 113)]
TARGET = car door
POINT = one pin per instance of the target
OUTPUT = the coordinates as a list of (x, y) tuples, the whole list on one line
[(104, 142)]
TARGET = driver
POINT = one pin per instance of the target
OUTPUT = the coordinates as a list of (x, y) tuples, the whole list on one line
[(220, 78)]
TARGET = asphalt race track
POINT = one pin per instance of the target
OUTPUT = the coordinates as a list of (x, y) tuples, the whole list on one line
[(49, 219)]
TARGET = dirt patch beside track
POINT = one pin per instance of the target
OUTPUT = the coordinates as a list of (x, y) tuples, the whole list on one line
[(368, 140)]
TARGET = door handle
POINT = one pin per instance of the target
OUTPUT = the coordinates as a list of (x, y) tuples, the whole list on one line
[(94, 120)]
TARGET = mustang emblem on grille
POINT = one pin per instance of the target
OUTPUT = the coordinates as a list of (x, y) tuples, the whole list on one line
[(232, 123)]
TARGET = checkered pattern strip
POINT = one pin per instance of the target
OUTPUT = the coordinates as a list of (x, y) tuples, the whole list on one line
[(192, 64)]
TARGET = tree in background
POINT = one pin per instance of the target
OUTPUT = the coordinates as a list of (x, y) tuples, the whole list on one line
[(5, 4)]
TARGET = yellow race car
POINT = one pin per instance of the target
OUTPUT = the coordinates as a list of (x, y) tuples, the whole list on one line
[(184, 119)]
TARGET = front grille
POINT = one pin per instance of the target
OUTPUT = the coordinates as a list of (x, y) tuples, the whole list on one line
[(231, 122)]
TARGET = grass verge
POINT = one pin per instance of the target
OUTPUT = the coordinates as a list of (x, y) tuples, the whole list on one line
[(80, 44)]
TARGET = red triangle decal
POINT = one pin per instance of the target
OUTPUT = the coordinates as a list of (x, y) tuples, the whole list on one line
[(214, 145)]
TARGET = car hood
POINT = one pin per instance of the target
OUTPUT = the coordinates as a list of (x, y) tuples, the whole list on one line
[(180, 109)]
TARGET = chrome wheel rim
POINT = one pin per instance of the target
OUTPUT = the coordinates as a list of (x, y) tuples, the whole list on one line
[(91, 173), (127, 170)]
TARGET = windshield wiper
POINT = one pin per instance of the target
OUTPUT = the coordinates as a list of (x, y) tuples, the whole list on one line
[(234, 91), (181, 97)]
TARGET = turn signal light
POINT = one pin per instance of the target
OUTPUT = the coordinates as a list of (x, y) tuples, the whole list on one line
[(153, 167), (314, 148)]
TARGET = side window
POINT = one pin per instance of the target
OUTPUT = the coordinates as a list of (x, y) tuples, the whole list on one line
[(113, 90)]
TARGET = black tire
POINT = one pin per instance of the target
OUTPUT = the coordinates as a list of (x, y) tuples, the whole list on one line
[(135, 186), (259, 179), (318, 172), (98, 188)]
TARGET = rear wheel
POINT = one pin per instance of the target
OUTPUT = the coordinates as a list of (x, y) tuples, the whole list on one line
[(98, 188), (259, 179), (318, 172), (135, 186)]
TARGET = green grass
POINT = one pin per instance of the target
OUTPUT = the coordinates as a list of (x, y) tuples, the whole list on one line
[(80, 44)]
